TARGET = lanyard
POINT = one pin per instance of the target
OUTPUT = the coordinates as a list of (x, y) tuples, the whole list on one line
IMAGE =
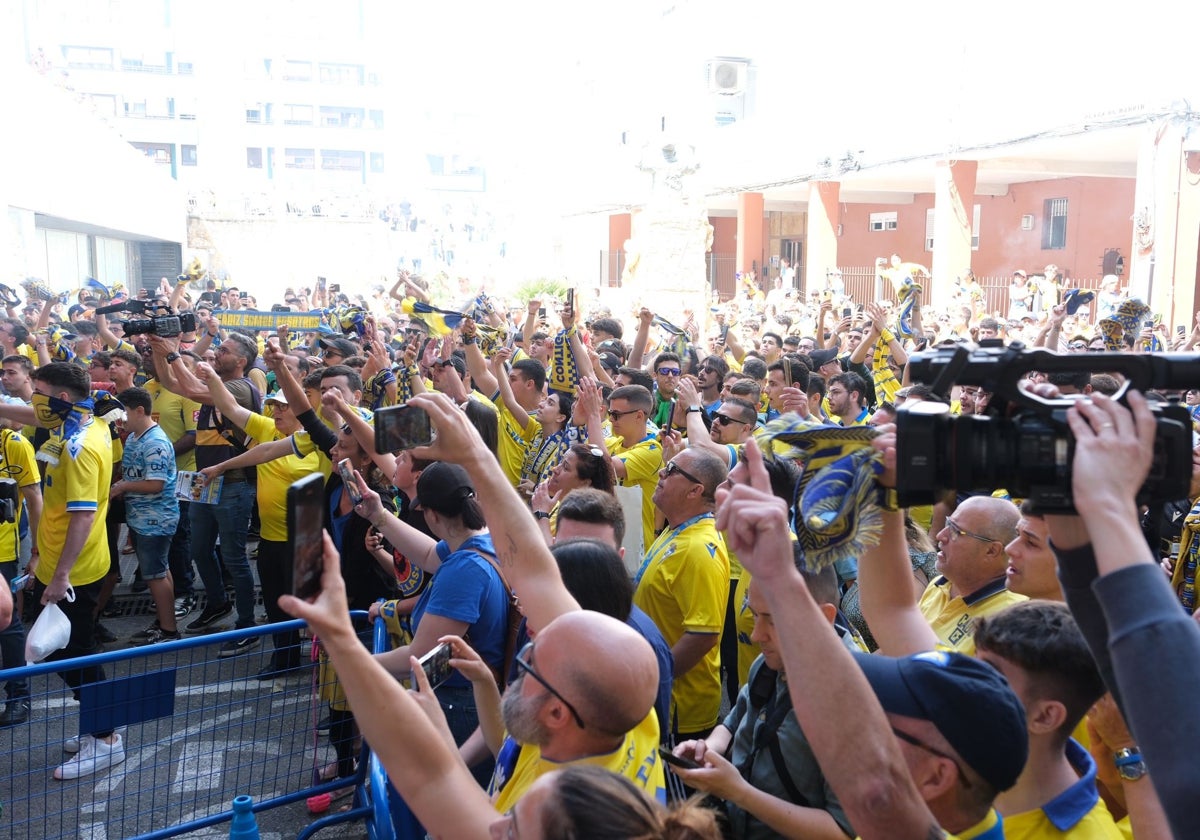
[(664, 539)]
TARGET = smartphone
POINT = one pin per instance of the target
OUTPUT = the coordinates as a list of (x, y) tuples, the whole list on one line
[(402, 427), (351, 483), (677, 761), (305, 528), (542, 313), (320, 282), (571, 301), (436, 665), (847, 312), (335, 287), (1181, 331)]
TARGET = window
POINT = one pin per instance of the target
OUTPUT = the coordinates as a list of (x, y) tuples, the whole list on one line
[(376, 161), (253, 158), (254, 114), (188, 155), (297, 115), (337, 116), (103, 103), (975, 228), (297, 71), (929, 229), (1054, 224), (342, 74), (299, 158), (376, 118), (341, 161), (88, 58), (883, 221)]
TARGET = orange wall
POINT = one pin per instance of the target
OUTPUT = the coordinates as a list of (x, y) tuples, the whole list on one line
[(1098, 218), (724, 235), (619, 226)]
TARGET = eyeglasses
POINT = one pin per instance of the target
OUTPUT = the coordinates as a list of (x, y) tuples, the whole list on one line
[(956, 532), (522, 660), (1097, 349), (709, 370), (617, 415), (672, 468), (1077, 346), (919, 744), (725, 420), (325, 354), (669, 371)]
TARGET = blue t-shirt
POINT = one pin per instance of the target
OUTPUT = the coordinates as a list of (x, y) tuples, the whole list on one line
[(151, 457), (649, 631), (468, 588)]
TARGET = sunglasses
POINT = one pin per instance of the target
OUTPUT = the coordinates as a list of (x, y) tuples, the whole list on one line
[(725, 420), (672, 468), (919, 744), (617, 415), (1077, 346), (523, 663), (669, 371)]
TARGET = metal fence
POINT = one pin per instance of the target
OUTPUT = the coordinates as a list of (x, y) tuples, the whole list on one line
[(197, 730)]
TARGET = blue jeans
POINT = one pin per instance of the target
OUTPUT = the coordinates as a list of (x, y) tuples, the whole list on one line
[(231, 520), (151, 550), (181, 553), (12, 638)]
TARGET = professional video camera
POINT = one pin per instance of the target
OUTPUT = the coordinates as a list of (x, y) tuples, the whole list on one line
[(8, 500), (162, 321), (1023, 444)]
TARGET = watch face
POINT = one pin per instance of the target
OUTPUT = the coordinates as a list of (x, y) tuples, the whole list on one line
[(1133, 771)]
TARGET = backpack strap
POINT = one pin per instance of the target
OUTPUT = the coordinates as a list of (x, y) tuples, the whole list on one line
[(512, 624), (773, 709)]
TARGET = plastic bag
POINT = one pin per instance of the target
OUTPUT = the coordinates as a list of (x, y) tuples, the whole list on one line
[(51, 632)]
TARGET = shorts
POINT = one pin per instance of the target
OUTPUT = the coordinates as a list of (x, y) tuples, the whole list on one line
[(153, 554)]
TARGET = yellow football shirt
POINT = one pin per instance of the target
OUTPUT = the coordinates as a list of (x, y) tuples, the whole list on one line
[(274, 478), (515, 439), (79, 482), (953, 618), (642, 462), (636, 759), (683, 585), (16, 462), (177, 416)]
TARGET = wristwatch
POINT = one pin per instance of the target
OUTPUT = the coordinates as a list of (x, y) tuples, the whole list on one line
[(541, 514), (694, 408), (171, 357), (1130, 764)]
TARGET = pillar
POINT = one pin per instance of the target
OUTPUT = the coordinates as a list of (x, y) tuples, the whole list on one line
[(751, 232), (820, 238), (1163, 270), (620, 229), (953, 206)]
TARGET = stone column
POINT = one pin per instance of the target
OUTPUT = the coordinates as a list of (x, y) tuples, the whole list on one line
[(820, 239), (953, 206)]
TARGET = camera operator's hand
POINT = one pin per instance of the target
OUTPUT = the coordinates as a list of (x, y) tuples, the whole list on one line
[(164, 345), (1114, 447)]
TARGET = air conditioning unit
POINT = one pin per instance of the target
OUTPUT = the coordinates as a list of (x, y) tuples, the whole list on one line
[(1027, 222), (727, 76)]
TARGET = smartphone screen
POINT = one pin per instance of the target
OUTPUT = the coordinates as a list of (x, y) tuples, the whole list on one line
[(542, 312), (571, 300), (320, 282), (677, 761), (305, 527), (436, 665), (402, 427), (346, 470), (846, 312)]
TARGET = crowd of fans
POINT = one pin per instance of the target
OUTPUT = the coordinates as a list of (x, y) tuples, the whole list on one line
[(610, 485)]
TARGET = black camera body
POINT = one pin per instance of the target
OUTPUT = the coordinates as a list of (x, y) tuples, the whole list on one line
[(9, 502), (1023, 444), (162, 320)]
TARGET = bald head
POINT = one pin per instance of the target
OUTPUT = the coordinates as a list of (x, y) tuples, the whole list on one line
[(606, 669)]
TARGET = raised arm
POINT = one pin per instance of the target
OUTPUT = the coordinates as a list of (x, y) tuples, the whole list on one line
[(698, 436), (645, 318), (477, 365), (496, 364), (363, 431), (222, 400)]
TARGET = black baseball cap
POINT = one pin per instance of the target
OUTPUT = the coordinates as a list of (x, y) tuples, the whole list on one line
[(442, 487), (969, 702)]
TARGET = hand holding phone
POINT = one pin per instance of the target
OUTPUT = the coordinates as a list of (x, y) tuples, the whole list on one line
[(436, 665), (402, 426), (305, 529), (349, 480), (677, 761)]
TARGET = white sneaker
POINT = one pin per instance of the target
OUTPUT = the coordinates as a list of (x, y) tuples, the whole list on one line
[(93, 756), (73, 745)]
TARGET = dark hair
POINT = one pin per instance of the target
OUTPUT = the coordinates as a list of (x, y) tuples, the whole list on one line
[(1105, 383), (754, 368), (747, 409), (86, 328), (101, 358), (1042, 639), (594, 574), (637, 397), (20, 360), (591, 803), (353, 379), (794, 368), (747, 388), (593, 468), (65, 376), (853, 383), (128, 356), (637, 376), (312, 381), (486, 422), (594, 507), (778, 338), (533, 370), (19, 331), (718, 364), (667, 356), (609, 325), (988, 324), (566, 403), (136, 398), (1074, 379)]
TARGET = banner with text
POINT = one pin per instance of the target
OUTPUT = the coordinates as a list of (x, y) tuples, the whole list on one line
[(250, 319)]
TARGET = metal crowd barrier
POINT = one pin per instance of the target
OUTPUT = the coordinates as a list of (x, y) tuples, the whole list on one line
[(199, 730)]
